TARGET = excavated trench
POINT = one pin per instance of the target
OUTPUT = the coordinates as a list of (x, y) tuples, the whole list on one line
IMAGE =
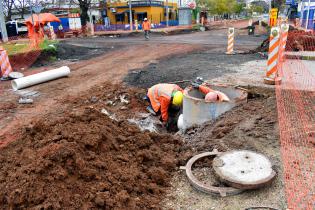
[(91, 155)]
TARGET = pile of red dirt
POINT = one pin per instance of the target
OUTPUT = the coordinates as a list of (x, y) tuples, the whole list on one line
[(85, 160), (298, 40), (301, 41)]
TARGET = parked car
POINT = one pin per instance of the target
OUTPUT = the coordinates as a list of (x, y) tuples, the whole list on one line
[(15, 28)]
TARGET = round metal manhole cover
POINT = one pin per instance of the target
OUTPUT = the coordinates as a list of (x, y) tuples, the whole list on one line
[(244, 169)]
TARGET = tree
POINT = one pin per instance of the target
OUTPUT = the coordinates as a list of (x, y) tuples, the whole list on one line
[(84, 7), (21, 6), (7, 7), (277, 3), (258, 9), (219, 7), (239, 8)]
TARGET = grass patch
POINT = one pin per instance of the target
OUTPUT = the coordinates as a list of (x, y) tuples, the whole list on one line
[(16, 48), (48, 44)]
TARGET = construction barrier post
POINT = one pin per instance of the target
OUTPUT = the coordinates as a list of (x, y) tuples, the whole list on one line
[(52, 33), (273, 56), (284, 31), (5, 65), (250, 22), (230, 47)]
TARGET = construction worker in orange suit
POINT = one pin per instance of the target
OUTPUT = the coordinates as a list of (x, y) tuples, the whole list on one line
[(162, 97), (146, 26), (210, 94)]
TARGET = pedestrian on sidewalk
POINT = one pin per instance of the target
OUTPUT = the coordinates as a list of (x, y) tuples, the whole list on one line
[(146, 26)]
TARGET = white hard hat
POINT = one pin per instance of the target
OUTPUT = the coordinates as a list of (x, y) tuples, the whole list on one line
[(145, 18)]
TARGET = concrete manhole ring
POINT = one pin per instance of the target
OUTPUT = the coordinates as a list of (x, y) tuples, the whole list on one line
[(244, 169), (222, 191)]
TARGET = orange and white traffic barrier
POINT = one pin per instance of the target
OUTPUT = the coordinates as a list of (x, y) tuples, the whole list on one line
[(250, 22), (284, 31), (230, 47), (52, 33), (5, 65), (273, 56)]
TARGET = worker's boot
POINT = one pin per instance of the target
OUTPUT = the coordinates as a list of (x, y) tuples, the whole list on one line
[(150, 110)]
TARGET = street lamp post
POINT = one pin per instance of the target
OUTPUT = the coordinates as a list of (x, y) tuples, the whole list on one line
[(31, 10), (130, 16), (167, 14), (308, 14)]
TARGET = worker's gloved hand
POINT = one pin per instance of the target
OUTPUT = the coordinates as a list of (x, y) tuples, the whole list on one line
[(199, 80), (195, 85)]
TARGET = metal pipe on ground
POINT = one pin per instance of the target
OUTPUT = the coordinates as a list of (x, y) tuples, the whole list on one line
[(42, 77)]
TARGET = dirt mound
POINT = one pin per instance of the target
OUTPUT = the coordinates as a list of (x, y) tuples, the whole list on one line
[(298, 40), (301, 41), (85, 160)]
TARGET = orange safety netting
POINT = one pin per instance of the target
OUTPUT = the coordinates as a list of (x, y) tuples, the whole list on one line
[(35, 25), (23, 51), (296, 114)]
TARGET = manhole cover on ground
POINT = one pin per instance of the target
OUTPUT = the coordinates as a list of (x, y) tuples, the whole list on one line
[(244, 169), (204, 187)]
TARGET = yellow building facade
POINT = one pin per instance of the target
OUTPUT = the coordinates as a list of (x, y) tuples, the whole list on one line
[(155, 11)]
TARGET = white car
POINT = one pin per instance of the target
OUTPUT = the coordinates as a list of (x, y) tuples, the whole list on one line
[(20, 26)]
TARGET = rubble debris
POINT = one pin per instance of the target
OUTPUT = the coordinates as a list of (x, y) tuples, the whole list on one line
[(111, 116), (260, 208), (26, 101), (146, 122), (27, 93), (93, 99), (15, 75), (123, 99)]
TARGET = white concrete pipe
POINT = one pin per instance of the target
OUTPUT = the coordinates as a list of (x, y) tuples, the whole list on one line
[(35, 79)]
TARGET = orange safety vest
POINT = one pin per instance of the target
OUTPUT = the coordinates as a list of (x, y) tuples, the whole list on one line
[(146, 25), (160, 97)]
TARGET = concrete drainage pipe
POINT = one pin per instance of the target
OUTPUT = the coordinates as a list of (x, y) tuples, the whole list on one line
[(35, 79)]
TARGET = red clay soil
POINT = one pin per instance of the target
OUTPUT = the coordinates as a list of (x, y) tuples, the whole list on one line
[(24, 60), (81, 159), (112, 67), (299, 40)]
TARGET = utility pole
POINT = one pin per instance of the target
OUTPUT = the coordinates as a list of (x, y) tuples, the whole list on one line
[(2, 24), (167, 15), (130, 16), (31, 10), (308, 14)]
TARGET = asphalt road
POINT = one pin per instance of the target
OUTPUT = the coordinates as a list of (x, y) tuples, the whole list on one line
[(215, 38)]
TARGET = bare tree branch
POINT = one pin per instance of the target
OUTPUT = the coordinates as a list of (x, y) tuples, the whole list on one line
[(21, 6), (8, 6)]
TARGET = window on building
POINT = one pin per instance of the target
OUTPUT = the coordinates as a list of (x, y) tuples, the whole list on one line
[(120, 17), (141, 16)]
